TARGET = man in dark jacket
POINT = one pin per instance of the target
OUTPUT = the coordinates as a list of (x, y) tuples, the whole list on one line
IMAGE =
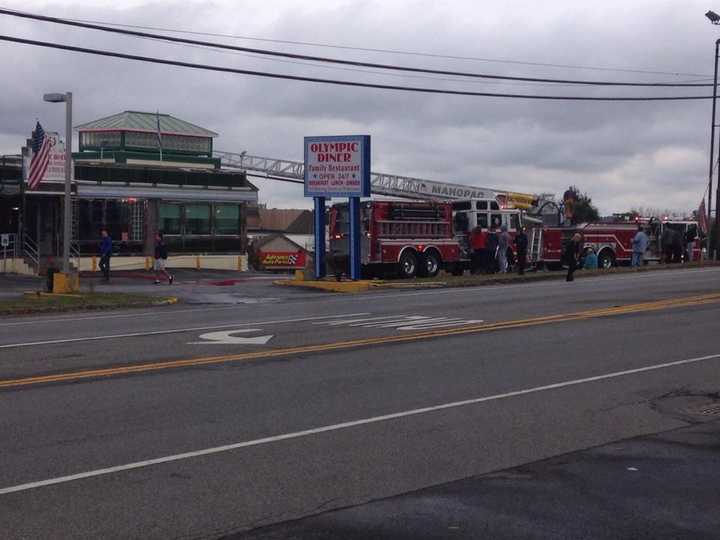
[(161, 255), (521, 245), (492, 251), (105, 254), (572, 254)]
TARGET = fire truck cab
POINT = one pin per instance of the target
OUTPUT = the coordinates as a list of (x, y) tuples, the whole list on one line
[(473, 219)]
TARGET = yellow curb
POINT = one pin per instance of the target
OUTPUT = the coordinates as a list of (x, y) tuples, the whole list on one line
[(406, 285), (167, 301), (330, 286)]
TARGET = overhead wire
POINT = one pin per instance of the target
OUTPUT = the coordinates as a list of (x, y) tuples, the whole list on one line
[(396, 51), (369, 71), (296, 56), (356, 84)]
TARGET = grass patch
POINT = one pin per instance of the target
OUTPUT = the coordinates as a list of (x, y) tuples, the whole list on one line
[(47, 303), (468, 280)]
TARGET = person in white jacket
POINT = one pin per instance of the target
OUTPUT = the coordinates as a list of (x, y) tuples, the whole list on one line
[(639, 245)]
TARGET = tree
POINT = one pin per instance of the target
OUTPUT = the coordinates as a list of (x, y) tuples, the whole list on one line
[(583, 208)]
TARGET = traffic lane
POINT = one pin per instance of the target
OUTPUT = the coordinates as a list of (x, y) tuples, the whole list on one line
[(32, 358), (490, 304), (660, 487), (246, 339), (213, 495), (494, 302), (487, 303), (106, 422)]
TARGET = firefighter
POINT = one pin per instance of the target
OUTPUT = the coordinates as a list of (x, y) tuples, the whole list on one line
[(521, 245), (491, 246), (572, 254)]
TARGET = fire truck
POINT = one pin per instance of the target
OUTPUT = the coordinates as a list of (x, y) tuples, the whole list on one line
[(405, 238), (411, 239), (612, 242)]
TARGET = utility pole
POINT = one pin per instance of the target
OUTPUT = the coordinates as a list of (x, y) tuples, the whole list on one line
[(714, 18)]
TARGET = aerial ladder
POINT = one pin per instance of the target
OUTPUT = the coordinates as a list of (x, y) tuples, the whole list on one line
[(382, 184)]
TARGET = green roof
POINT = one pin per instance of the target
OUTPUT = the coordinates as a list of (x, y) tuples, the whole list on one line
[(146, 121)]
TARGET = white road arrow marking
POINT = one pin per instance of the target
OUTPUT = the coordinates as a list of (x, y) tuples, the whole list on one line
[(226, 337)]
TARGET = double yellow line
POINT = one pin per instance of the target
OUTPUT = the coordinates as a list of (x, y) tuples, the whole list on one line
[(367, 342)]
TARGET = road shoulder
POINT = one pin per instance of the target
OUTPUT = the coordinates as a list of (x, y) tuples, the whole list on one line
[(658, 486)]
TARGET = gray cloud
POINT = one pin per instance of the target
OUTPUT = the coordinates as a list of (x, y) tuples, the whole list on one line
[(644, 154)]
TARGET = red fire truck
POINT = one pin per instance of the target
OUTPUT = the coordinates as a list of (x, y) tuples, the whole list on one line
[(416, 238), (612, 242), (407, 238)]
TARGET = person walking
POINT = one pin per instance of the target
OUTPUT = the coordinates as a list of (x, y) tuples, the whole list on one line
[(639, 245), (503, 245), (105, 254), (521, 245), (572, 254), (161, 255)]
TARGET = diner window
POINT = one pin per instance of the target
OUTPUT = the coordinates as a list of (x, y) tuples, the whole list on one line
[(170, 219), (197, 219), (227, 219)]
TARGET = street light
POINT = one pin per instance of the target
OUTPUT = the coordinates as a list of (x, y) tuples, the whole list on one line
[(67, 204)]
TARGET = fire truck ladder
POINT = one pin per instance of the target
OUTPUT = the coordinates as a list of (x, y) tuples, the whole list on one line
[(382, 184), (536, 240)]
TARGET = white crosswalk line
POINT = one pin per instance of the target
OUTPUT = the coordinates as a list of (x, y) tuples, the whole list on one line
[(447, 324), (350, 321)]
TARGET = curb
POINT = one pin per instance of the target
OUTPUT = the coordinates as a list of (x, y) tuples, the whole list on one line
[(355, 287), (352, 287)]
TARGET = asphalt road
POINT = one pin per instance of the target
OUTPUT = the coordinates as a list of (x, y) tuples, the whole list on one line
[(169, 423)]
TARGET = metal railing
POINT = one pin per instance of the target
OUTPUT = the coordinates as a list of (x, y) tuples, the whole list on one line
[(75, 254), (30, 252)]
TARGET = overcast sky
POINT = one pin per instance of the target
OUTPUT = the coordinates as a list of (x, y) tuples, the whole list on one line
[(622, 154)]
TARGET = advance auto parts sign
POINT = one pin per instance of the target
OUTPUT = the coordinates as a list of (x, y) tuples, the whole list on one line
[(282, 258), (337, 166)]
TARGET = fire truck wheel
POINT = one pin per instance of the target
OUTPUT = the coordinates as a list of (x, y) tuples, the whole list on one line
[(606, 259), (408, 264), (429, 264)]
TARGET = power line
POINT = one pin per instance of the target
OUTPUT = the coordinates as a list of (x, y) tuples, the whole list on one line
[(207, 67), (396, 51), (370, 71), (171, 39)]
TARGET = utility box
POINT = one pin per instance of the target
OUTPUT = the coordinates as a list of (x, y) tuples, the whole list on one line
[(65, 283)]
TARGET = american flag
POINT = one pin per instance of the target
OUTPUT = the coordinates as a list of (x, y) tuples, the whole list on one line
[(703, 217), (40, 156)]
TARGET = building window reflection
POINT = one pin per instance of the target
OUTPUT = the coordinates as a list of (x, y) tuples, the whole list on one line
[(197, 219)]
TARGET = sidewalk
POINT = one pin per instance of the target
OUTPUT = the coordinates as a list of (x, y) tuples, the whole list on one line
[(664, 486), (189, 286)]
